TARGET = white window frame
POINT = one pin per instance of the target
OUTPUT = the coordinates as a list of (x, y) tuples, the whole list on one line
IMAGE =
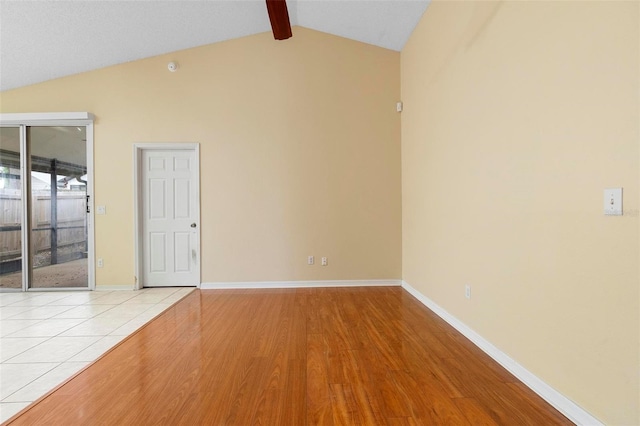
[(24, 120)]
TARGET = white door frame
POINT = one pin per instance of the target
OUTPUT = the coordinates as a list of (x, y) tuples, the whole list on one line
[(138, 149), (83, 119)]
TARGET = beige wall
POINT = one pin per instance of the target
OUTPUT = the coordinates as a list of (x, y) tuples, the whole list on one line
[(300, 153), (517, 116)]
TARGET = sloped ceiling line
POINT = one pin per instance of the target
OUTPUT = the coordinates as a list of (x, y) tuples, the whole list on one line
[(42, 39)]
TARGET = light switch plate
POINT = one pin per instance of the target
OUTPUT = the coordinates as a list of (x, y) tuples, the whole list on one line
[(613, 202), (101, 210)]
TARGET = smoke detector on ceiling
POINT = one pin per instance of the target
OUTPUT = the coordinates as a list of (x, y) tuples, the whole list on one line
[(173, 66)]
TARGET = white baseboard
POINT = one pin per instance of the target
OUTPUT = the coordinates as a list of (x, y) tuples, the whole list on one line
[(114, 287), (561, 403), (298, 284)]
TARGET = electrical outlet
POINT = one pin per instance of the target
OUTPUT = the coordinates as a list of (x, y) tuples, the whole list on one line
[(467, 291), (310, 260), (100, 263), (324, 261)]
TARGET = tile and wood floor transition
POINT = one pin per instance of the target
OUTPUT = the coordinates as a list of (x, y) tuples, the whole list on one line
[(47, 337), (352, 356)]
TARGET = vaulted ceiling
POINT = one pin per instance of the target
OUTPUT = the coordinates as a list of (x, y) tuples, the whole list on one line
[(45, 39)]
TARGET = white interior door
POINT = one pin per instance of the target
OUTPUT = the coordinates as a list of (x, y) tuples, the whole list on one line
[(170, 218)]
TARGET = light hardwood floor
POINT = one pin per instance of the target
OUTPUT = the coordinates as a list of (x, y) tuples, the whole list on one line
[(352, 356)]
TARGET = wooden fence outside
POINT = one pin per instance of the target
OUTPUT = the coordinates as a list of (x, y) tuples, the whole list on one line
[(71, 223)]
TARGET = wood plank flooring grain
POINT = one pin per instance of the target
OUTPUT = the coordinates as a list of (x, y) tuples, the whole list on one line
[(474, 412), (318, 387), (320, 356)]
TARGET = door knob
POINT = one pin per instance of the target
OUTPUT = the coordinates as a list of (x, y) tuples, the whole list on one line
[(193, 225)]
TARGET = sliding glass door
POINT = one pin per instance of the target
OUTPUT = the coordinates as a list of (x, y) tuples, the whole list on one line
[(44, 208), (10, 209), (58, 195)]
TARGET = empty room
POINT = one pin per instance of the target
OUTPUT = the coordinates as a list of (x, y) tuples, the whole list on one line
[(314, 212)]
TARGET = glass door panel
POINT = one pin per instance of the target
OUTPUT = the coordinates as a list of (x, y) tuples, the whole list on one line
[(58, 196), (10, 209)]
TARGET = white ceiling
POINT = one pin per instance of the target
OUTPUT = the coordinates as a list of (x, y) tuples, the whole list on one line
[(45, 39)]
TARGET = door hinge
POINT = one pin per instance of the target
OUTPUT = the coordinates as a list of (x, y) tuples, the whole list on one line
[(88, 208)]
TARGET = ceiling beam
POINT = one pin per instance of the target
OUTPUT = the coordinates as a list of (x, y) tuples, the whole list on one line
[(279, 17)]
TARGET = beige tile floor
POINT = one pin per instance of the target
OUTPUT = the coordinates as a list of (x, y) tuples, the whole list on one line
[(47, 337)]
